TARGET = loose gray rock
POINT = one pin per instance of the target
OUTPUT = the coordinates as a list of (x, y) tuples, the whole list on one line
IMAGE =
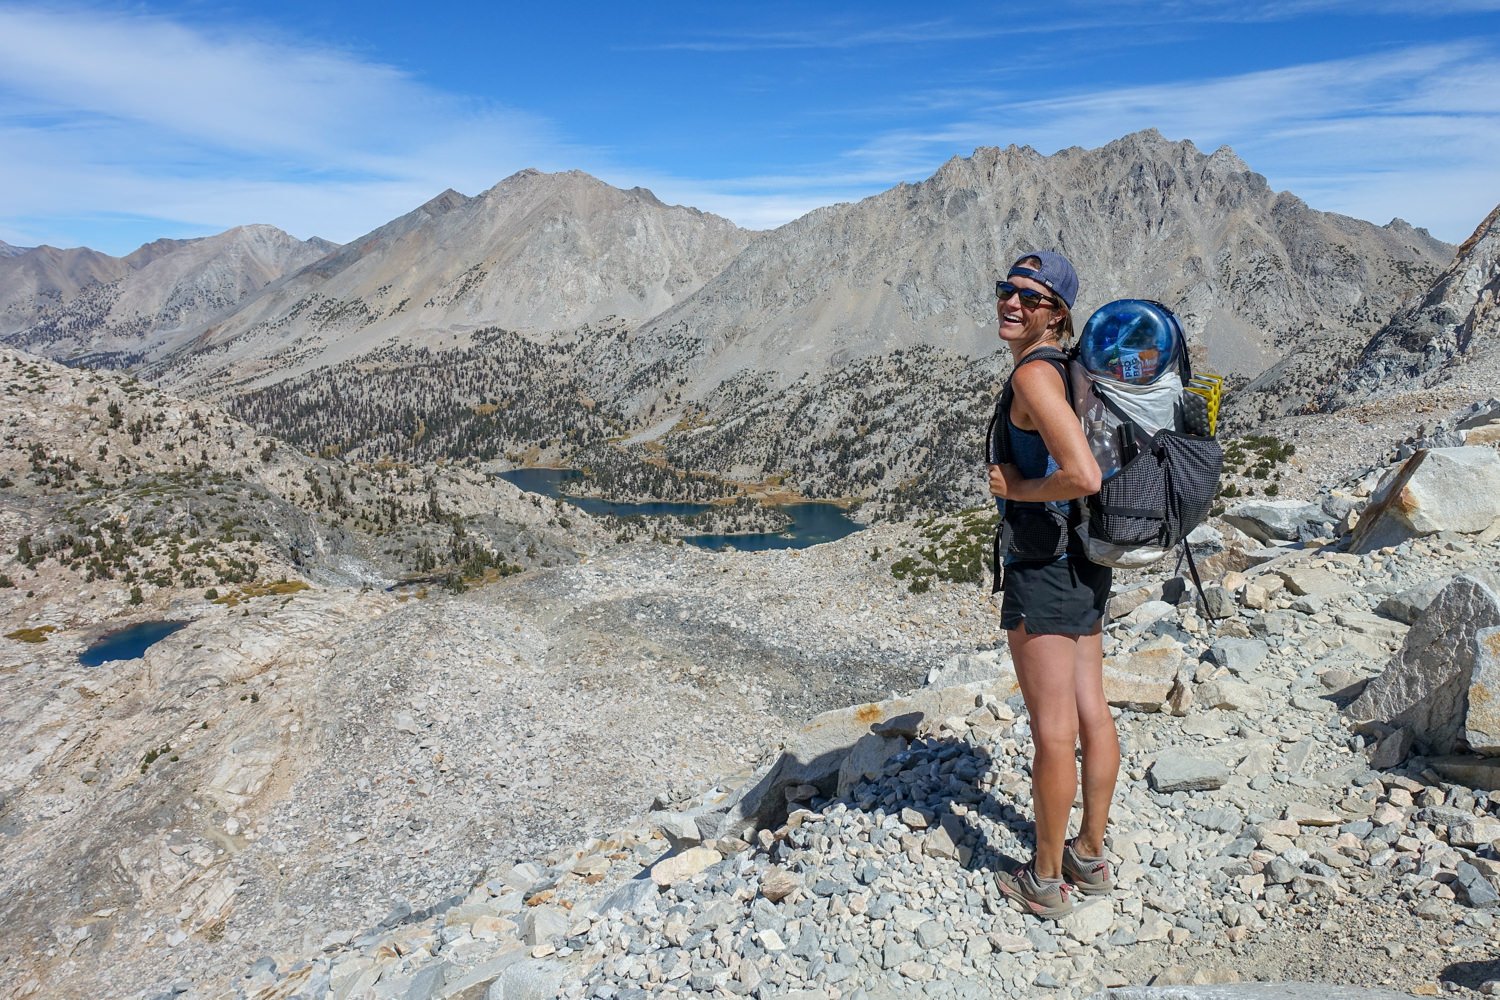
[(1239, 656), (1233, 695), (629, 897), (1175, 771), (1276, 520), (1218, 602), (866, 759), (1408, 605), (543, 923), (1391, 749), (680, 829), (530, 979), (1475, 889)]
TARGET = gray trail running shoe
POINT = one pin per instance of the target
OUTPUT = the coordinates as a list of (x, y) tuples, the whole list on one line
[(1092, 876), (1042, 899)]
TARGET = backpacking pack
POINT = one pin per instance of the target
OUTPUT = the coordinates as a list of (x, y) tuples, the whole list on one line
[(1150, 425)]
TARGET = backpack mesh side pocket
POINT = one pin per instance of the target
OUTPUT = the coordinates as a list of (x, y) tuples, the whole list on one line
[(1160, 495), (1193, 467)]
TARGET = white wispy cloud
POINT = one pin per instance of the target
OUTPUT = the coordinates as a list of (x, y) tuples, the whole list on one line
[(110, 116), (1397, 133), (107, 112), (838, 33)]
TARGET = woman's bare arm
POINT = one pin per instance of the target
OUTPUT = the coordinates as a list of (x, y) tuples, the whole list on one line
[(1042, 401)]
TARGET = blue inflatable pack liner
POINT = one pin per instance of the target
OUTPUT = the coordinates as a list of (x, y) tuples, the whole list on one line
[(1132, 341)]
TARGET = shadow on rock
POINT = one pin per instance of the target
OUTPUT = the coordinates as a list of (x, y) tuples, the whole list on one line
[(1471, 975)]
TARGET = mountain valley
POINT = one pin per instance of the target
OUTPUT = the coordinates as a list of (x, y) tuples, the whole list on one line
[(425, 735)]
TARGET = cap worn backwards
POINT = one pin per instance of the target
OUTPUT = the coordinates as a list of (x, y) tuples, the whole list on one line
[(1056, 272)]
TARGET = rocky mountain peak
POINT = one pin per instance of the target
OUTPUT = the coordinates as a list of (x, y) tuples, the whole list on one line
[(1443, 331), (1226, 160), (83, 304), (445, 202), (524, 255), (6, 250), (1142, 216)]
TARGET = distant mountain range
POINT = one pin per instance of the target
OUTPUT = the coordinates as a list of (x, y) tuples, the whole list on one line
[(750, 354), (543, 254), (84, 305)]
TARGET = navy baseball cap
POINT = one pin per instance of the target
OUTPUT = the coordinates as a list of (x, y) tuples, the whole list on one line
[(1056, 273)]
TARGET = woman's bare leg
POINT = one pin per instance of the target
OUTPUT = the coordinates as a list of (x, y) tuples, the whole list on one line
[(1046, 669), (1101, 744)]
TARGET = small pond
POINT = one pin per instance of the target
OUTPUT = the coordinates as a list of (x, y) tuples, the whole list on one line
[(813, 522), (127, 644)]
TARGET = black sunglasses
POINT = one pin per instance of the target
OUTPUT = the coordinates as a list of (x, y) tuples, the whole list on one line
[(1030, 297)]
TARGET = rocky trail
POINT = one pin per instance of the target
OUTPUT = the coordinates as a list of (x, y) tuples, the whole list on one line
[(595, 781), (599, 779), (1254, 840)]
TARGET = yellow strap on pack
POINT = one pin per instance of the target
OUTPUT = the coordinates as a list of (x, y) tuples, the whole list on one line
[(1211, 388)]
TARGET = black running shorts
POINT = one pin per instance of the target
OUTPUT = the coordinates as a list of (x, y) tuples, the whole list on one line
[(1064, 596)]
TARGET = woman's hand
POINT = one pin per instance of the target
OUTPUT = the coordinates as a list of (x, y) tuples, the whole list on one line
[(1003, 479)]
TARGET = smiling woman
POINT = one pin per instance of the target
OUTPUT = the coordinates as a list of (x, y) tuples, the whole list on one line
[(1054, 605)]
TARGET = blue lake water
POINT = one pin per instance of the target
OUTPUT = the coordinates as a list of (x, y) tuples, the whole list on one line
[(813, 522), (127, 644)]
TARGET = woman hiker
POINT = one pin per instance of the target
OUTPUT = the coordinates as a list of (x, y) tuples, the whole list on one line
[(1053, 609)]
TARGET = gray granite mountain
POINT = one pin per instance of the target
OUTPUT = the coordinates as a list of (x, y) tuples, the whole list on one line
[(83, 305), (848, 353), (536, 253), (1251, 271), (1451, 326), (6, 250), (1247, 268)]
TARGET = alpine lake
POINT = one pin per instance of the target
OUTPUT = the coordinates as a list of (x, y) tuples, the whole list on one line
[(813, 521), (128, 643)]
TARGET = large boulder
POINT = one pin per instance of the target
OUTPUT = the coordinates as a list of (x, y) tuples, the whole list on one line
[(1425, 687), (1441, 489), (1279, 520)]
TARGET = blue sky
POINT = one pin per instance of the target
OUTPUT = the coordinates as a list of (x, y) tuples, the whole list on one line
[(121, 123)]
